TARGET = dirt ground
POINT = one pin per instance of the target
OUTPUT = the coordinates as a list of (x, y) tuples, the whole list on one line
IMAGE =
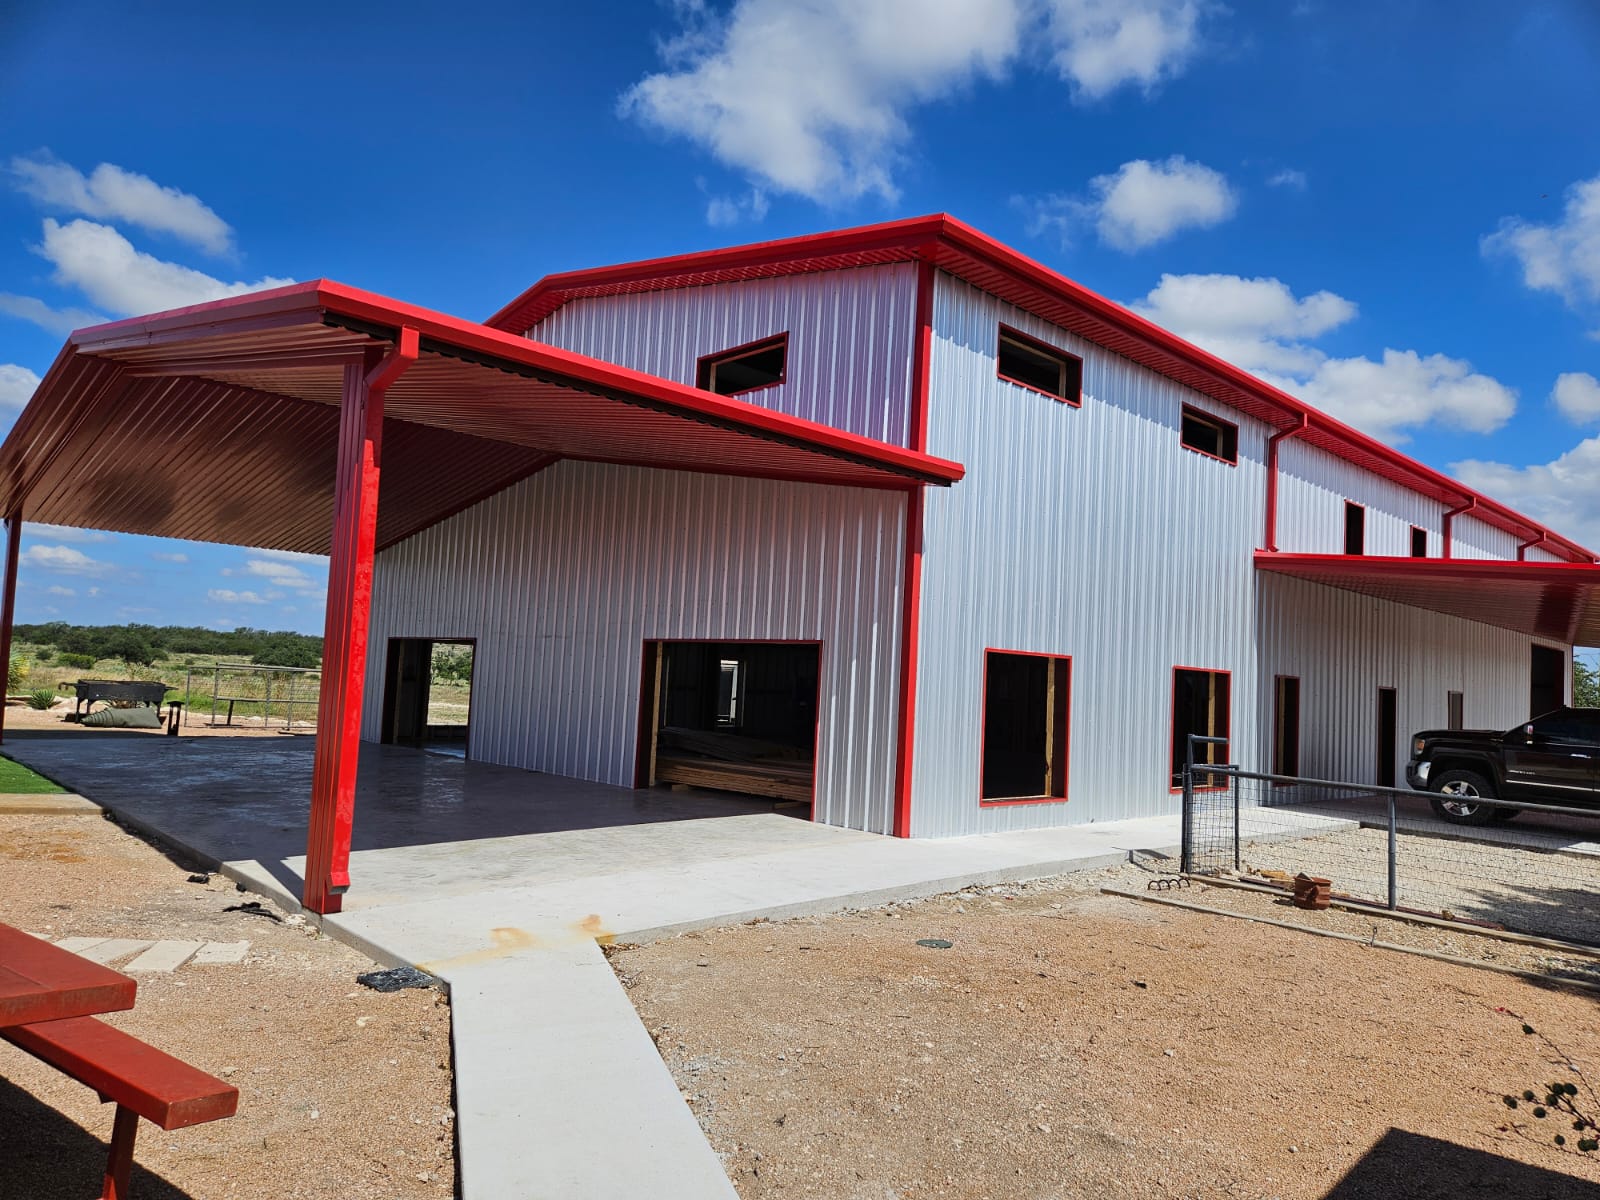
[(344, 1092), (20, 716), (1075, 1045)]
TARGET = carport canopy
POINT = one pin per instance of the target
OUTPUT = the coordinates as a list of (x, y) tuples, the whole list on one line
[(1560, 601), (267, 420)]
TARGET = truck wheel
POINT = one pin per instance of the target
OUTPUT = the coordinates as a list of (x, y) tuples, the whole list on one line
[(1459, 798)]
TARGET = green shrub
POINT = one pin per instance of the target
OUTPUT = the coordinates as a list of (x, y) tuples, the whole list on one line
[(130, 648), (287, 652), (42, 698), (81, 661), (16, 676)]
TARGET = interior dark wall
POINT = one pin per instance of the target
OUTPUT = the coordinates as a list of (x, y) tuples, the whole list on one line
[(779, 698), (1547, 688)]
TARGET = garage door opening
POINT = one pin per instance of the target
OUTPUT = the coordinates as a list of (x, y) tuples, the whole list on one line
[(427, 694), (731, 716)]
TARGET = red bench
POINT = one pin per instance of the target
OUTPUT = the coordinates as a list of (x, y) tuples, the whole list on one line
[(41, 980)]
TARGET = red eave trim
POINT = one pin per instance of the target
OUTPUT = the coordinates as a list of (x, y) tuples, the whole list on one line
[(1372, 566), (967, 252)]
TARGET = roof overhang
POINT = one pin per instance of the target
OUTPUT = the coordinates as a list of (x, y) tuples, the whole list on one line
[(219, 423), (1560, 601), (993, 267)]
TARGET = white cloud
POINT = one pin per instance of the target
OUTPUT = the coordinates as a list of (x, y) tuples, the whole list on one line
[(1102, 45), (1289, 178), (107, 268), (1139, 204), (94, 591), (163, 556), (1563, 493), (294, 556), (111, 193), (285, 574), (227, 596), (60, 321), (1577, 395), (1562, 257), (16, 385), (58, 590), (812, 97), (64, 533), (1260, 325), (731, 210), (63, 560)]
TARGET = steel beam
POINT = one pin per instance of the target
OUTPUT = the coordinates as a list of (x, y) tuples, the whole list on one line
[(8, 601)]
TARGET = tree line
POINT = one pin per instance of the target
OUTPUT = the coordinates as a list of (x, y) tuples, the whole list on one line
[(144, 645)]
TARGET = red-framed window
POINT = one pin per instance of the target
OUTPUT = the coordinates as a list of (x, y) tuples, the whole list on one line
[(1027, 727), (746, 368), (1209, 435), (1419, 542), (1202, 705), (1039, 366), (1355, 528)]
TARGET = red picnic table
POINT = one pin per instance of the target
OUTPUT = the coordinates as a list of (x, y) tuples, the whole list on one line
[(49, 998)]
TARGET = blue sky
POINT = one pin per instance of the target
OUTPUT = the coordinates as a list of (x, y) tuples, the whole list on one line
[(1392, 209)]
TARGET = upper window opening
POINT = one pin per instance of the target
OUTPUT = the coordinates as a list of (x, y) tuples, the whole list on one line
[(1210, 435), (1043, 368), (1355, 528), (1419, 542), (745, 368), (1027, 699)]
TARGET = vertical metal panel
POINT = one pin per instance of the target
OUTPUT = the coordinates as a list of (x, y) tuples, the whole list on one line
[(1471, 538), (1087, 532), (1345, 646), (850, 340), (561, 579), (1313, 486)]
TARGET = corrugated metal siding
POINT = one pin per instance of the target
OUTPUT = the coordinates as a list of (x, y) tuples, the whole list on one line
[(1344, 647), (1086, 532), (850, 340), (562, 578), (1471, 538), (1313, 486)]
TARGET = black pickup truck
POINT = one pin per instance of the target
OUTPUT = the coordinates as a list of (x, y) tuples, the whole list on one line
[(1553, 759)]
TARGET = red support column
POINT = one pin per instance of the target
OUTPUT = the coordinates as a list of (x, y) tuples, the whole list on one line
[(344, 647), (8, 603)]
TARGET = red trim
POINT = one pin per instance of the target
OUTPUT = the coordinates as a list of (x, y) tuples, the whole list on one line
[(1067, 358), (1283, 435), (1206, 418), (999, 270), (1172, 722), (911, 572), (388, 657), (1530, 544), (8, 600), (983, 724), (738, 352)]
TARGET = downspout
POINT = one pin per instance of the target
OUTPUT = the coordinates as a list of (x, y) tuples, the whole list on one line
[(1524, 547), (1449, 521), (1271, 541)]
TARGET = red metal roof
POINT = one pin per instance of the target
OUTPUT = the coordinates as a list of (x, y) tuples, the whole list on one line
[(996, 268), (1551, 600), (218, 422)]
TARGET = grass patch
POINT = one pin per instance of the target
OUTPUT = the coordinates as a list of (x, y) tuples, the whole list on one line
[(16, 779)]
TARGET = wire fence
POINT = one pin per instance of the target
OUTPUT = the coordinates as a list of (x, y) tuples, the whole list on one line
[(257, 695), (1532, 869)]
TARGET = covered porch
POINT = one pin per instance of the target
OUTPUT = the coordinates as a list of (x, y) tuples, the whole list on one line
[(269, 421)]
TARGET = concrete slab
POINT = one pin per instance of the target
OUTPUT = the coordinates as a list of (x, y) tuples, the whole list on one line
[(163, 958), (77, 945), (221, 953), (64, 804), (111, 949)]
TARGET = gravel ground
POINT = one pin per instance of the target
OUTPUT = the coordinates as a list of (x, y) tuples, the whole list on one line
[(196, 723), (1534, 891), (344, 1092), (1076, 1045)]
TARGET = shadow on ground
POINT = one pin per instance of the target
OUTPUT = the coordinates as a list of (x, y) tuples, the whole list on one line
[(48, 1157), (1410, 1166)]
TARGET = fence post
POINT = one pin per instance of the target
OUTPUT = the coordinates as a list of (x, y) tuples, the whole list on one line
[(1236, 855), (1186, 854), (1394, 870)]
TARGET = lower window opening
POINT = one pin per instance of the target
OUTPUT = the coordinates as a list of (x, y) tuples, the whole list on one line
[(1199, 706), (1026, 726)]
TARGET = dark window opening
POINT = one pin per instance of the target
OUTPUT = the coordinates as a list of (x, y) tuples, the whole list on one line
[(1035, 365), (730, 716), (1286, 726), (1210, 435), (758, 365), (427, 694), (1355, 528), (1455, 705), (1419, 542), (1547, 690), (1026, 718), (1199, 706), (1388, 739)]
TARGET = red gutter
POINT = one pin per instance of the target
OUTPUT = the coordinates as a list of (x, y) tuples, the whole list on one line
[(1450, 519), (1271, 543), (1524, 547), (911, 573)]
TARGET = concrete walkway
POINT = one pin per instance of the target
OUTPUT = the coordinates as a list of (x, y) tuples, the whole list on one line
[(504, 883)]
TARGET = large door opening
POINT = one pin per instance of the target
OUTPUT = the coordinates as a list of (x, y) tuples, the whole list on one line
[(731, 716), (1547, 690), (427, 694), (1388, 737)]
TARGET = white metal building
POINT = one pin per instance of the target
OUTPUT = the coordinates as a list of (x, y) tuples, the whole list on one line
[(1098, 581)]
